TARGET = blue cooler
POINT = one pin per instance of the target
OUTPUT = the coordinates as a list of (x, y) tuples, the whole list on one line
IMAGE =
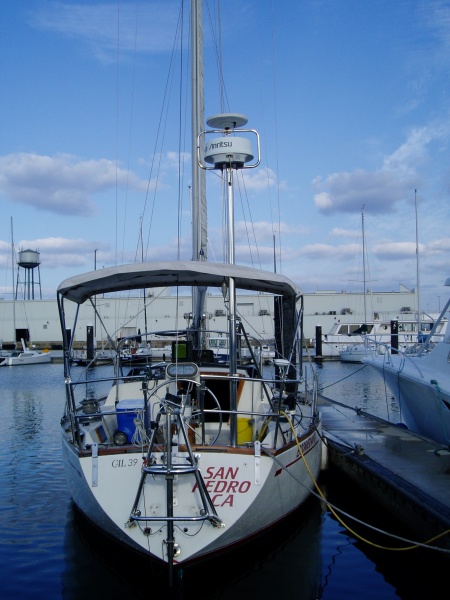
[(125, 420)]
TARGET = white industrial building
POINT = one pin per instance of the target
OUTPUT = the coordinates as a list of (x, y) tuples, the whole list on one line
[(37, 320)]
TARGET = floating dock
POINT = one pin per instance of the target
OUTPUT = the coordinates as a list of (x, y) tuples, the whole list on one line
[(407, 473)]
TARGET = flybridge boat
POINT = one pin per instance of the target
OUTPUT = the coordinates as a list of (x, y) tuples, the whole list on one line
[(420, 383), (344, 336)]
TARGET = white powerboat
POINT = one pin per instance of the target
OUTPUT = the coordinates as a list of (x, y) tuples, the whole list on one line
[(26, 356), (408, 332), (136, 356), (420, 383), (354, 353)]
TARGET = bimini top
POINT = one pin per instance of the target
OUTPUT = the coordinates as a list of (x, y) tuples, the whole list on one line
[(178, 273)]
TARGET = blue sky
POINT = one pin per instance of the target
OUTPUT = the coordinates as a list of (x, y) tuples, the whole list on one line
[(351, 100)]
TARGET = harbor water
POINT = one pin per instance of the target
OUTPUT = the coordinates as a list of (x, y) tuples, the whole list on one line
[(48, 550)]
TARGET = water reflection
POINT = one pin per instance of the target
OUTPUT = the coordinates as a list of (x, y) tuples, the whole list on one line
[(356, 385), (389, 571), (283, 562)]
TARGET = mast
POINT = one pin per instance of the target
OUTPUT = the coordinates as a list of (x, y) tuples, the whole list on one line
[(417, 267), (145, 300), (274, 256), (364, 265), (199, 211), (13, 290)]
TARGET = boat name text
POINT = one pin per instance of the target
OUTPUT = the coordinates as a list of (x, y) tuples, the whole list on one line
[(124, 462), (223, 483), (307, 445)]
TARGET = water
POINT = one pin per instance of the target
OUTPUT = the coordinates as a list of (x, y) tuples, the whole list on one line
[(47, 550), (356, 385)]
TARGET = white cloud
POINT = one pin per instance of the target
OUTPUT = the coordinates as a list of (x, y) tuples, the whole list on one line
[(61, 184), (380, 191), (349, 192), (441, 246), (338, 232), (144, 28), (264, 230), (259, 179)]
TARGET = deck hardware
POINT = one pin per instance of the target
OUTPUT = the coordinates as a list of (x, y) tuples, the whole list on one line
[(257, 463), (94, 464)]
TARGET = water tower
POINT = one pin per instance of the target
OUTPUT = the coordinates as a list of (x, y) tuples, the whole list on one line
[(28, 264)]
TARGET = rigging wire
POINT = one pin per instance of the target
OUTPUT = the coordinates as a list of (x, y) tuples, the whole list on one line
[(130, 135), (274, 70), (117, 130), (156, 161), (180, 136)]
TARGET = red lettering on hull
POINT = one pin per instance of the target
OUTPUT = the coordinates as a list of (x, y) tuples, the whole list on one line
[(222, 482)]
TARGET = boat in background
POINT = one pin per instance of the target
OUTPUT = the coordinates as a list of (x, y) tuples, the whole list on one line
[(409, 333), (354, 353), (26, 356), (136, 356), (420, 382), (265, 354), (405, 328), (100, 357), (218, 345), (162, 352)]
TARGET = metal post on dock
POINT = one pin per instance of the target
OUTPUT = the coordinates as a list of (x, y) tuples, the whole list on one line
[(319, 342), (394, 337)]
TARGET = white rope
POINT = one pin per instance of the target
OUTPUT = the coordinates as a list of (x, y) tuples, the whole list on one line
[(139, 436)]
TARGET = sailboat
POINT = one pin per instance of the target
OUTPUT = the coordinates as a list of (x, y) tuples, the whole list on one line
[(356, 352), (408, 334), (183, 460)]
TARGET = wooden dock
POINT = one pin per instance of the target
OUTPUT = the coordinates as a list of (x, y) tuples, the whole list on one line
[(407, 473)]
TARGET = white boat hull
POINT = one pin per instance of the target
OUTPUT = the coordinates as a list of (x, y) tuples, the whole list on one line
[(249, 493), (353, 354), (336, 341), (27, 358), (424, 405)]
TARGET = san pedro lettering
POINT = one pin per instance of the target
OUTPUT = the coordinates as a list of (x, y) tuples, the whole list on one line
[(223, 484)]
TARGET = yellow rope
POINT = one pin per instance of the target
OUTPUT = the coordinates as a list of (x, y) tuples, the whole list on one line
[(436, 537)]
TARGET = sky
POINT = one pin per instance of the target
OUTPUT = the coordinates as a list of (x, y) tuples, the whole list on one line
[(350, 99)]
